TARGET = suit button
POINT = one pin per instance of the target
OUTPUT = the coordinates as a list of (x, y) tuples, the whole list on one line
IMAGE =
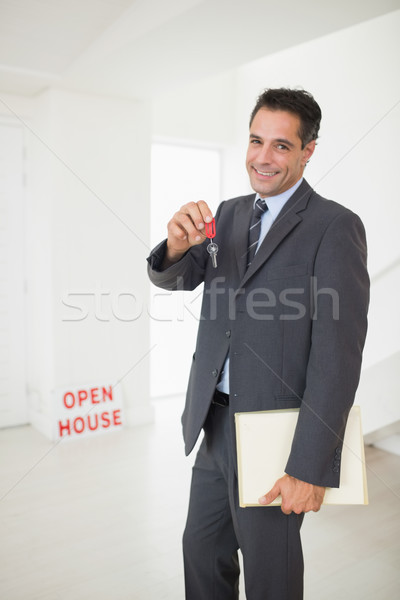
[(215, 372), (336, 463), (228, 333), (338, 452), (335, 469)]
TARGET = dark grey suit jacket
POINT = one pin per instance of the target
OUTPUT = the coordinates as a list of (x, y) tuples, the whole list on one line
[(294, 323)]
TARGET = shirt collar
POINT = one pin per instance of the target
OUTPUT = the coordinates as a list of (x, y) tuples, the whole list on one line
[(276, 203)]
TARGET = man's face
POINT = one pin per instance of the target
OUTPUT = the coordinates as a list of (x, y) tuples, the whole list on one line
[(275, 159)]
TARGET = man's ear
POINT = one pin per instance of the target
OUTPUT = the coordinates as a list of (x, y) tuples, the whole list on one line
[(308, 151)]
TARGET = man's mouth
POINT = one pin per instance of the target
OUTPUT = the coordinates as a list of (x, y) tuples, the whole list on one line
[(266, 173)]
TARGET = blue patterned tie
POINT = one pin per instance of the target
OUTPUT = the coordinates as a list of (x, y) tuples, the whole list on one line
[(255, 228)]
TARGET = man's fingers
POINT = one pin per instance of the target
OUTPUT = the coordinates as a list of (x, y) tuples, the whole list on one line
[(286, 508), (190, 212), (182, 227), (192, 230), (271, 495), (188, 222), (205, 211), (175, 230), (198, 212), (186, 229)]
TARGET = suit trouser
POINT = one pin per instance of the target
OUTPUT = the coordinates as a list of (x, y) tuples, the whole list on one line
[(217, 527)]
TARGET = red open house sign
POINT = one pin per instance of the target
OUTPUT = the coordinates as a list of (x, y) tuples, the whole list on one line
[(88, 410)]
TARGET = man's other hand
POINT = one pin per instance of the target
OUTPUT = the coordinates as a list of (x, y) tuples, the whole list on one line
[(297, 496)]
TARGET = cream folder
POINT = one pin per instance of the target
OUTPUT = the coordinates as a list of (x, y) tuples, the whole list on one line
[(264, 441)]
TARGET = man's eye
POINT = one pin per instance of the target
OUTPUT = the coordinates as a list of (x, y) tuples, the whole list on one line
[(282, 147)]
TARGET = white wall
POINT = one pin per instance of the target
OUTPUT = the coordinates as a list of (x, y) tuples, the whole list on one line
[(88, 228), (202, 112), (13, 401)]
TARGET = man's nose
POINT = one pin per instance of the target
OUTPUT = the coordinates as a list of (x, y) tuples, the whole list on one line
[(265, 154)]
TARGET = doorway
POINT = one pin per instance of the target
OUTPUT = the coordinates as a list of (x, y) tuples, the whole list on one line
[(13, 397)]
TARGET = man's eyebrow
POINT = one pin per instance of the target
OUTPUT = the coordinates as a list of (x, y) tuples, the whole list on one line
[(284, 141), (254, 136)]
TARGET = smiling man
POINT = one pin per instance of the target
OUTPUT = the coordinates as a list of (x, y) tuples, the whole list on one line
[(276, 157), (257, 349)]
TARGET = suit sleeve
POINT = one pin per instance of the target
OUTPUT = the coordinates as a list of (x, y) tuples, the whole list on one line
[(340, 294), (186, 274)]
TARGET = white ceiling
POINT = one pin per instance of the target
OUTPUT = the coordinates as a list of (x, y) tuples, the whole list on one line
[(139, 48)]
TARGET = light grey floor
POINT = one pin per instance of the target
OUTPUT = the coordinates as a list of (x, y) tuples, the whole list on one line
[(102, 519)]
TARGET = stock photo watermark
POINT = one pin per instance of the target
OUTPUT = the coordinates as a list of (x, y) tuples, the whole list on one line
[(260, 304)]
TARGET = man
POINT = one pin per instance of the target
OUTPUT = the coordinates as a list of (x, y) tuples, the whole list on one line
[(282, 328)]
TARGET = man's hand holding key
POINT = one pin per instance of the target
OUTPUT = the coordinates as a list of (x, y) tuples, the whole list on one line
[(186, 229)]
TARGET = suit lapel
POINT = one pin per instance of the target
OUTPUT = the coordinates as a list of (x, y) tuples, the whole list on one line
[(285, 222)]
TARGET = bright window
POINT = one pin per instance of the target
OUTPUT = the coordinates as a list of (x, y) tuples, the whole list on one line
[(179, 174)]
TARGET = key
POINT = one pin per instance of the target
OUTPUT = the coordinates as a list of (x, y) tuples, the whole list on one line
[(212, 249)]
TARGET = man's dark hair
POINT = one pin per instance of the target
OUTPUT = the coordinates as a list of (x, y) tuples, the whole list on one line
[(297, 102)]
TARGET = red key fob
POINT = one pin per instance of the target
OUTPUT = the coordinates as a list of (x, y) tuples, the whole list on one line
[(210, 229)]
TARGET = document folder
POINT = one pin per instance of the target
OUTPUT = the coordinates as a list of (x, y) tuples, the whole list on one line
[(264, 441)]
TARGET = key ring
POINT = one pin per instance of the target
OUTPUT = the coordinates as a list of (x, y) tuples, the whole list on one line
[(210, 229)]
